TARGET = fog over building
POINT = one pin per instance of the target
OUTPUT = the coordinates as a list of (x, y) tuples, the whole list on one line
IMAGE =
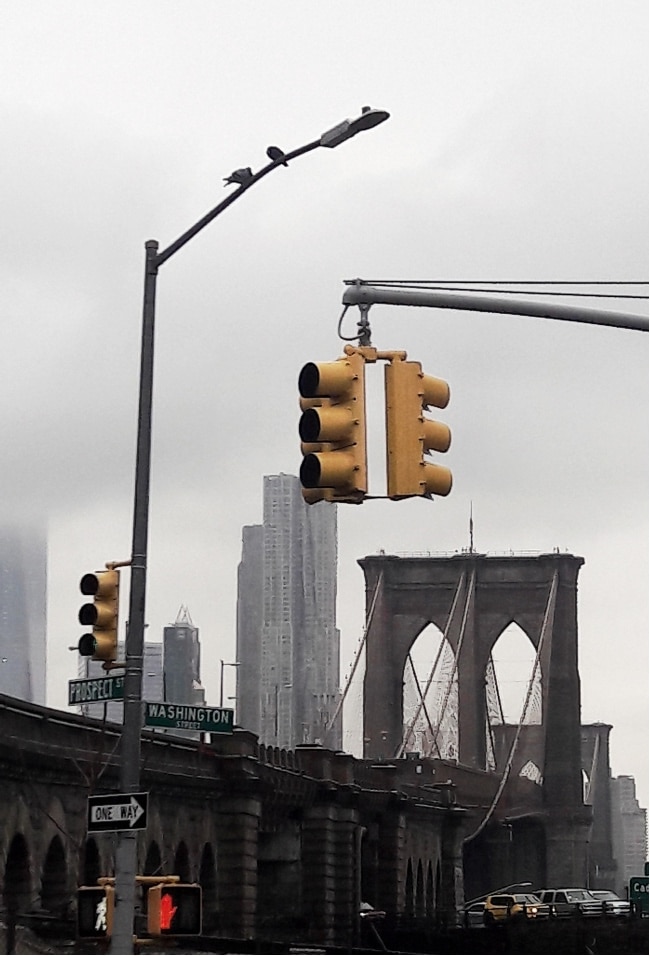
[(23, 611), (287, 639)]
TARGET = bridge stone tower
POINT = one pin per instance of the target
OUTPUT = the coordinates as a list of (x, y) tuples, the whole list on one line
[(472, 598)]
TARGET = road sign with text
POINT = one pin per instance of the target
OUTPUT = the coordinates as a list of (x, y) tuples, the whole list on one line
[(214, 720), (117, 811), (95, 689)]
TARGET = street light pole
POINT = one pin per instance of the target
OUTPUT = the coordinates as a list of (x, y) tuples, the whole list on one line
[(126, 851), (225, 664)]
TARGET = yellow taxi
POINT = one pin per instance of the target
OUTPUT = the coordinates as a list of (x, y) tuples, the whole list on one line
[(513, 906)]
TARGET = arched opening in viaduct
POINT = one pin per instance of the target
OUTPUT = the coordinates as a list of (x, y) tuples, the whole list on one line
[(153, 860), (208, 881), (92, 867), (182, 863), (54, 878), (17, 877)]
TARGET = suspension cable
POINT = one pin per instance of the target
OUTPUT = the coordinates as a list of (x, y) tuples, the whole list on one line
[(357, 656), (434, 666), (463, 628), (549, 613)]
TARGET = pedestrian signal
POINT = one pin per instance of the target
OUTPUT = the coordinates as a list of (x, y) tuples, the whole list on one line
[(95, 912), (174, 909)]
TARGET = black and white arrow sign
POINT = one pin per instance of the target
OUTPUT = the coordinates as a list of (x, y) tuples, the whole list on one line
[(117, 811)]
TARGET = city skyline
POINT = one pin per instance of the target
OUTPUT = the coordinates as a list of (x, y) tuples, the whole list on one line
[(516, 152)]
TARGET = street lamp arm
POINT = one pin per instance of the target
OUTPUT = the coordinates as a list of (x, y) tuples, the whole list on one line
[(368, 119), (229, 200)]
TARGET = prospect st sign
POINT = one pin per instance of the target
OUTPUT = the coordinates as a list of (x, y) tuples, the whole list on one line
[(215, 720), (117, 811), (95, 689)]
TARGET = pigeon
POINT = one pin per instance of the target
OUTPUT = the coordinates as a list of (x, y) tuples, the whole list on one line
[(275, 153), (239, 176)]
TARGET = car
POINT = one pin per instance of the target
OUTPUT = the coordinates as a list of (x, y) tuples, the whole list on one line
[(611, 904), (574, 901), (473, 915), (501, 907)]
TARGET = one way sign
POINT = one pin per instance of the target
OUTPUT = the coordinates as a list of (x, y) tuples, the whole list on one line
[(117, 811)]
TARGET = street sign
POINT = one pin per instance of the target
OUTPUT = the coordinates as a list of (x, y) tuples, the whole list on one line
[(95, 689), (214, 720), (639, 893), (117, 811)]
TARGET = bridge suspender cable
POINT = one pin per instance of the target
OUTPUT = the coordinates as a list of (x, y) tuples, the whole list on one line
[(418, 710), (357, 656), (463, 627), (548, 618)]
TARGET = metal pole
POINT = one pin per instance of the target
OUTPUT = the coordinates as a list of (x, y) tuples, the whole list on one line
[(366, 295), (126, 851), (122, 941), (221, 687)]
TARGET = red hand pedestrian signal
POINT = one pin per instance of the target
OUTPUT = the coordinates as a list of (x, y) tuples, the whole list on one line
[(167, 910), (174, 909)]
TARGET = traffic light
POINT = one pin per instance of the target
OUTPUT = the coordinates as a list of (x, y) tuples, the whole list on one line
[(174, 909), (409, 435), (333, 429), (102, 615), (95, 912)]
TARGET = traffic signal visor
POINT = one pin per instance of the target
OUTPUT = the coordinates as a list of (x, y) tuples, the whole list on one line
[(174, 909), (333, 430), (101, 615), (409, 434)]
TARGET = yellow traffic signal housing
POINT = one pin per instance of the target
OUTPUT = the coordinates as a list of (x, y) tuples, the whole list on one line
[(95, 906), (333, 429), (174, 909), (101, 615), (409, 435)]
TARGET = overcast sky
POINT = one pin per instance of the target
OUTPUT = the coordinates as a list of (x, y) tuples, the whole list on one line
[(516, 149)]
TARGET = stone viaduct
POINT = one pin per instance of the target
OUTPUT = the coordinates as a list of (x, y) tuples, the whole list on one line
[(287, 845)]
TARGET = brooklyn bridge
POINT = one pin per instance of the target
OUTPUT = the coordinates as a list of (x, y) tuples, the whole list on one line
[(291, 844)]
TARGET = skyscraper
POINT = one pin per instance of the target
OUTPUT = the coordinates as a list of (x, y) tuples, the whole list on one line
[(182, 655), (23, 602), (629, 832), (287, 639)]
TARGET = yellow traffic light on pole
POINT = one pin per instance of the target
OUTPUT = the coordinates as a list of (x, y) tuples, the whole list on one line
[(409, 435), (333, 429), (101, 615)]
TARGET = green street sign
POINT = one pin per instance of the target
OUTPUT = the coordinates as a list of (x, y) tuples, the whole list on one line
[(639, 893), (95, 689), (214, 720)]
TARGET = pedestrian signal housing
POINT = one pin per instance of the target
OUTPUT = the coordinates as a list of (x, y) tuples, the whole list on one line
[(101, 615), (174, 909), (95, 912)]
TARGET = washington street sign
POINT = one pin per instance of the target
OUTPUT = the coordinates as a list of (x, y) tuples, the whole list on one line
[(215, 720)]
